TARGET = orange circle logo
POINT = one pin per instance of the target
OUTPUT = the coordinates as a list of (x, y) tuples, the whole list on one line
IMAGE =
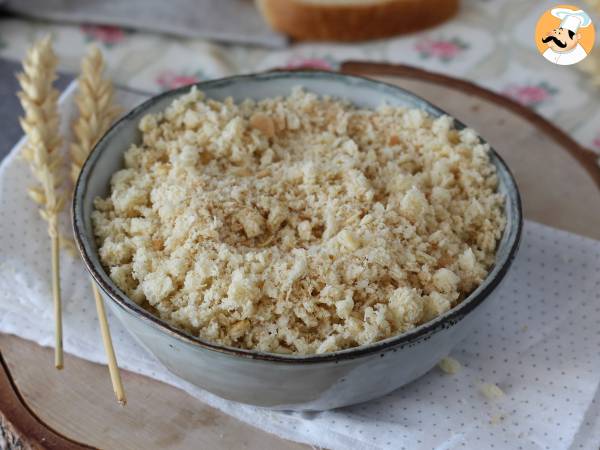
[(565, 35)]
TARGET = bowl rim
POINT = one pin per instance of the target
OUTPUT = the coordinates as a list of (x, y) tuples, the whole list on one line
[(449, 318)]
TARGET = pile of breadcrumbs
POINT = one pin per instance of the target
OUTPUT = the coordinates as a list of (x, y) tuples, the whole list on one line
[(299, 224)]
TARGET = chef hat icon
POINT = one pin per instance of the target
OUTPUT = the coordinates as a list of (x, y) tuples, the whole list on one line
[(572, 20)]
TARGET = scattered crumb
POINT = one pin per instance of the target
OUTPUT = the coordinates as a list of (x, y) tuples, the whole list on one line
[(495, 420), (449, 365), (524, 328), (299, 224), (491, 391)]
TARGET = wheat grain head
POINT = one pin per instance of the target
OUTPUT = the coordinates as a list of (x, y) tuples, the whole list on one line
[(97, 111), (40, 123)]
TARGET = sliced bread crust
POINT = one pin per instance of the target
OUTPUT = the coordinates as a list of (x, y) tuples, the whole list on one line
[(354, 21)]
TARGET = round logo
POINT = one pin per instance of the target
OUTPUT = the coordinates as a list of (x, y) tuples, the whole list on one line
[(565, 35)]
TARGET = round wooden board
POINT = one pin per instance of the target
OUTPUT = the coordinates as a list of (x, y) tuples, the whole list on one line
[(41, 407)]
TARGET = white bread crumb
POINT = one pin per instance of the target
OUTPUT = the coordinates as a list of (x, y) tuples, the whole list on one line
[(491, 391), (299, 224), (449, 365)]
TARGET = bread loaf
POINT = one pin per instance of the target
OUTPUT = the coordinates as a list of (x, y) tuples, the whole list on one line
[(353, 20)]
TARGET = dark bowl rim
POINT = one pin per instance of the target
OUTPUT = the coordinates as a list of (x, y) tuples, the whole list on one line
[(412, 336)]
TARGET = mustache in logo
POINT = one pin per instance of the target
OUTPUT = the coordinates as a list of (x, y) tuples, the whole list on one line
[(555, 40)]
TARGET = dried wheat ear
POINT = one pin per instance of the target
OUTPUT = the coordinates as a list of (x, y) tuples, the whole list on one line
[(42, 151)]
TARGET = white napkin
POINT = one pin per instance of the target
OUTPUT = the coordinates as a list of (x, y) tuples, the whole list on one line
[(540, 343)]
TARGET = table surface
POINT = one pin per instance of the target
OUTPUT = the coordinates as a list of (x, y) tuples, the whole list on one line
[(488, 42)]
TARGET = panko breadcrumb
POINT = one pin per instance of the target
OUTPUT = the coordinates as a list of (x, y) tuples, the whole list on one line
[(300, 224), (449, 365), (491, 391)]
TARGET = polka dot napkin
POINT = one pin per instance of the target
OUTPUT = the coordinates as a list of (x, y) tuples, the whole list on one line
[(540, 344)]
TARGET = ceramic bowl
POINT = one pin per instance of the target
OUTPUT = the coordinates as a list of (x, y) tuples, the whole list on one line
[(313, 382)]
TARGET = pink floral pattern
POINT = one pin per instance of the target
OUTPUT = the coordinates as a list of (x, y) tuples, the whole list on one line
[(444, 50), (168, 79), (531, 95), (300, 62), (106, 34)]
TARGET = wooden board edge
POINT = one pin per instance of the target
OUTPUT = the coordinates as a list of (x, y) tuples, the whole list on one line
[(588, 159), (20, 427)]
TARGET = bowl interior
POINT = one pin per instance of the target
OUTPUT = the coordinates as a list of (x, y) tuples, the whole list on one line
[(107, 158)]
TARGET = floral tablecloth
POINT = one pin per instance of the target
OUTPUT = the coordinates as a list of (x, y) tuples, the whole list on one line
[(489, 42)]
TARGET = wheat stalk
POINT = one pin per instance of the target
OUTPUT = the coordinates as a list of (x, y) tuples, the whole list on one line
[(96, 113), (42, 151)]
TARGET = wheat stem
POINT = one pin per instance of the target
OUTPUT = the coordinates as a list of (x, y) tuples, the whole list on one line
[(113, 368), (58, 354)]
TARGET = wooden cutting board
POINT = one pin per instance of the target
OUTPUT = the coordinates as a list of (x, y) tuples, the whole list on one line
[(41, 407)]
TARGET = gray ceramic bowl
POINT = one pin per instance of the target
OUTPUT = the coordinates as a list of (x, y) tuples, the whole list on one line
[(315, 382)]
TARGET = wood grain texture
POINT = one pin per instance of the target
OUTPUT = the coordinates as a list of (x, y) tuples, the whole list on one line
[(79, 402), (559, 183), (20, 427)]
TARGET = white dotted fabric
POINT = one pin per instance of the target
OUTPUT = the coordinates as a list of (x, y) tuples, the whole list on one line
[(540, 343)]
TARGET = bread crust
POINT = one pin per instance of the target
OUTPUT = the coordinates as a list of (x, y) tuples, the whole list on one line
[(354, 22)]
